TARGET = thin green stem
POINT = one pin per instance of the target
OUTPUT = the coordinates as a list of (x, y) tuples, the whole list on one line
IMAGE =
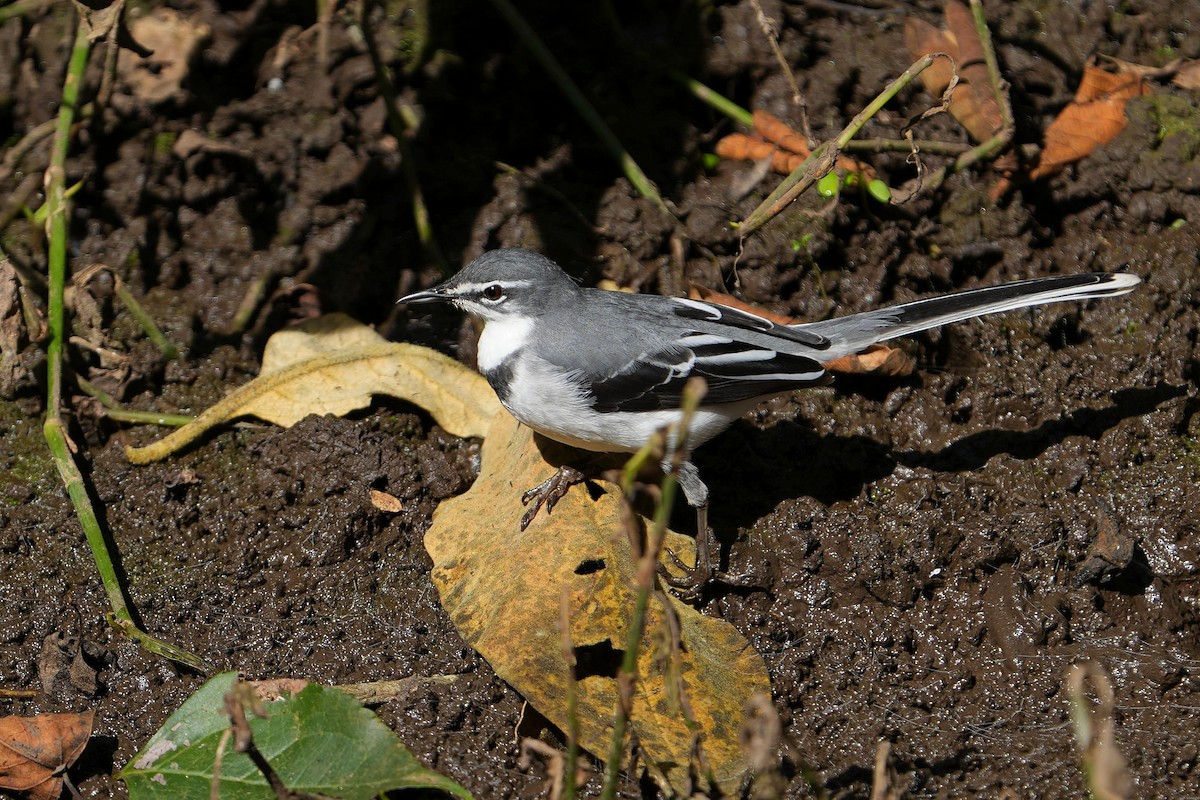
[(60, 445), (824, 155), (1000, 141), (114, 410), (56, 220), (585, 109), (647, 569), (146, 321), (715, 99), (401, 132), (19, 7)]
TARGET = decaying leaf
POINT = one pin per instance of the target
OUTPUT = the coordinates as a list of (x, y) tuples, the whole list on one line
[(877, 359), (1093, 118), (172, 40), (775, 139), (386, 502), (333, 365), (35, 751), (973, 103), (1187, 76), (502, 589)]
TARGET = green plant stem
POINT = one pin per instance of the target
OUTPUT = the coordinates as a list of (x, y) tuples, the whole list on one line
[(61, 448), (1000, 141), (19, 7), (720, 102), (115, 410), (824, 155), (400, 131), (740, 115), (56, 220), (567, 86), (145, 320), (647, 569), (72, 479)]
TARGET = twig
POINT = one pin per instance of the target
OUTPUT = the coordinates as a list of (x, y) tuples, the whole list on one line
[(1003, 137), (647, 570), (567, 86), (825, 154), (61, 447), (400, 131), (568, 649), (19, 7), (768, 29)]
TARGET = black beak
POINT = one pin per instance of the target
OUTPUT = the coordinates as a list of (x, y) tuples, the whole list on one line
[(434, 294)]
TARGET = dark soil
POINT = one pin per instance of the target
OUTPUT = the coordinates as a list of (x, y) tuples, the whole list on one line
[(934, 552)]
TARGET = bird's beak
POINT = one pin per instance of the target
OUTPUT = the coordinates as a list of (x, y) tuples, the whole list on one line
[(439, 293)]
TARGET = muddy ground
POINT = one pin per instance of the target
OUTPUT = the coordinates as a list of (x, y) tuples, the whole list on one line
[(934, 552)]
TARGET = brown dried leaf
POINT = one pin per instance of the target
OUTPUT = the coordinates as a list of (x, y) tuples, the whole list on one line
[(698, 292), (1188, 75), (386, 502), (786, 148), (502, 588), (973, 103), (877, 358), (1093, 118), (334, 365), (34, 751), (172, 40)]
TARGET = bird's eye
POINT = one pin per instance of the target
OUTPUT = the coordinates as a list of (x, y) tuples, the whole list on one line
[(493, 292)]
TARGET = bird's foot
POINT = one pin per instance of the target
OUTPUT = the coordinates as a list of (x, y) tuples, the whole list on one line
[(549, 492), (695, 579)]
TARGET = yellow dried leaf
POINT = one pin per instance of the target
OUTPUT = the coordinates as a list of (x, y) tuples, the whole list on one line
[(502, 589), (333, 365)]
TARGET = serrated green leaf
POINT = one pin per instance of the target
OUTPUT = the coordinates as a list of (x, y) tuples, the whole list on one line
[(319, 741)]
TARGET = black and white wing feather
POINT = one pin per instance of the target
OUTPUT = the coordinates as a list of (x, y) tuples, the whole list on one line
[(736, 367)]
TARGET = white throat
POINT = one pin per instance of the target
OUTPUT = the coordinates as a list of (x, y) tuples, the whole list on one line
[(501, 338)]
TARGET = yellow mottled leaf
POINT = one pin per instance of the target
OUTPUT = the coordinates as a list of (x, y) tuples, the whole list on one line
[(333, 365), (502, 589)]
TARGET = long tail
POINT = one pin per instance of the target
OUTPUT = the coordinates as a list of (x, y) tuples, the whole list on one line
[(856, 332)]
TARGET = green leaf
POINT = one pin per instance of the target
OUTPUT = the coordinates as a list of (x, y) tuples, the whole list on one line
[(319, 741), (879, 190), (829, 185)]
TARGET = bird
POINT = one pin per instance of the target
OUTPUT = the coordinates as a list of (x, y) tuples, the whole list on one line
[(605, 370)]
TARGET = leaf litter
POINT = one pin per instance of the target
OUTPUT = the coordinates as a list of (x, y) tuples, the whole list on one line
[(35, 752), (334, 365)]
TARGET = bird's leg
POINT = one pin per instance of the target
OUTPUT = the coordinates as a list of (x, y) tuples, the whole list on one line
[(549, 492), (705, 570)]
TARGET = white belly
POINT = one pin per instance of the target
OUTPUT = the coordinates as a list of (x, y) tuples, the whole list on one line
[(558, 409)]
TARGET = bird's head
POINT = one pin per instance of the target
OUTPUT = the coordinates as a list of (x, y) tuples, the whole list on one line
[(502, 283)]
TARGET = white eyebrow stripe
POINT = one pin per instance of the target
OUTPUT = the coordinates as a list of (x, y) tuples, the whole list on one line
[(506, 284)]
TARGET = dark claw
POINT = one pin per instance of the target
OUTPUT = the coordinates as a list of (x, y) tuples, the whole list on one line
[(549, 492), (691, 585)]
